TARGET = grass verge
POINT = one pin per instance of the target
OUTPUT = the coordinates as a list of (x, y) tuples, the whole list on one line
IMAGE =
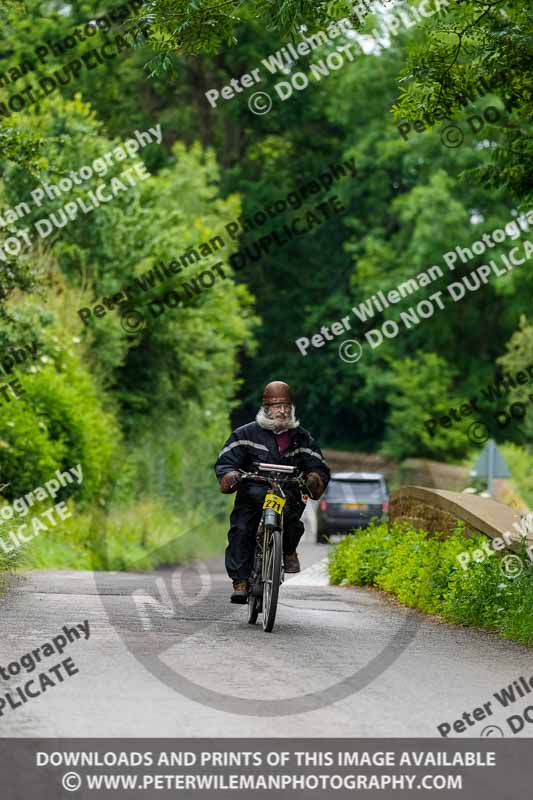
[(8, 563), (139, 536), (423, 572)]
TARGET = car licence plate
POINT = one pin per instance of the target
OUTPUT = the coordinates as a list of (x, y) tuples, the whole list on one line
[(275, 502), (355, 505)]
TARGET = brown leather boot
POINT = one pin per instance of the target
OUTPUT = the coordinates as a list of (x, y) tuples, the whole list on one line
[(240, 592), (291, 562)]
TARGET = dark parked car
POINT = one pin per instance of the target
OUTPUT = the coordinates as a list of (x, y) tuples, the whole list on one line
[(350, 501)]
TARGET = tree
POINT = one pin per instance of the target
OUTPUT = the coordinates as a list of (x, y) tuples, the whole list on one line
[(518, 358), (479, 43), (204, 26), (419, 397)]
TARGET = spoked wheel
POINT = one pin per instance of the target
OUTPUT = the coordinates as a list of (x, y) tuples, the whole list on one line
[(254, 607), (272, 581)]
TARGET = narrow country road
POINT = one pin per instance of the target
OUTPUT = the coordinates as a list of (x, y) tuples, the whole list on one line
[(341, 662)]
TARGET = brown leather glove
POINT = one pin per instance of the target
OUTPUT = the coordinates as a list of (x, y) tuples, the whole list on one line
[(229, 482), (315, 485)]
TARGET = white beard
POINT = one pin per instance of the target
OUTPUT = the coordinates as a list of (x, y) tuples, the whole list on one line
[(277, 426)]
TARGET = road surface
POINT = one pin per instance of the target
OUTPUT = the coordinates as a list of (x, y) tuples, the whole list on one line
[(341, 661)]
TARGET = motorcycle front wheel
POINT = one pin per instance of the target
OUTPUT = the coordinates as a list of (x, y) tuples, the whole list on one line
[(254, 607), (272, 581)]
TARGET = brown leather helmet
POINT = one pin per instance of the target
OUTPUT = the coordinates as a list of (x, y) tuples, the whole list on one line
[(277, 392)]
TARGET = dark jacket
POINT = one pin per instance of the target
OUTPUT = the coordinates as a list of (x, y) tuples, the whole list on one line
[(251, 444)]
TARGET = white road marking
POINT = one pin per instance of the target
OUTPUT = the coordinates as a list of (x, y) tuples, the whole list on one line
[(317, 575)]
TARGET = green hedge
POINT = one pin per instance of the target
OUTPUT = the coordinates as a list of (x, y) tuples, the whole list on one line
[(422, 571), (58, 422)]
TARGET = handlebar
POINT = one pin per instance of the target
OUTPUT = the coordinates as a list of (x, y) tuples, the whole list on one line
[(256, 478)]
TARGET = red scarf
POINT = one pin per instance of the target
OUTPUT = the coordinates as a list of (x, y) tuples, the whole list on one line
[(284, 441)]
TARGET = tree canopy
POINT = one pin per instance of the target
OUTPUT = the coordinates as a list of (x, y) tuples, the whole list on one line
[(410, 163)]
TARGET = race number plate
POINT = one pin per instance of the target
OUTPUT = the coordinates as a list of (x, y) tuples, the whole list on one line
[(275, 502)]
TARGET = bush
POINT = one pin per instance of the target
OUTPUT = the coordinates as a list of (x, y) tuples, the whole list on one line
[(423, 572), (348, 564), (57, 423), (410, 567), (144, 415)]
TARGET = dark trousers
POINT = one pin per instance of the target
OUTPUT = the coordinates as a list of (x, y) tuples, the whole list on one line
[(244, 522)]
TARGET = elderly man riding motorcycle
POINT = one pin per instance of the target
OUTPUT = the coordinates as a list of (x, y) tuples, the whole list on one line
[(277, 438)]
